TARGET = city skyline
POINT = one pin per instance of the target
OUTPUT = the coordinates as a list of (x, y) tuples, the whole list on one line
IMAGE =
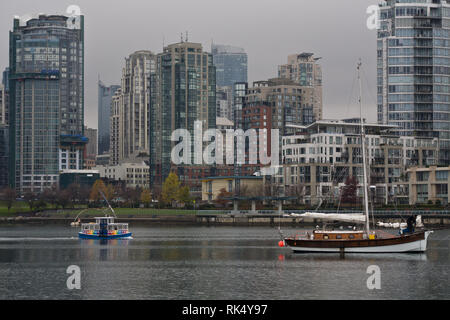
[(108, 42)]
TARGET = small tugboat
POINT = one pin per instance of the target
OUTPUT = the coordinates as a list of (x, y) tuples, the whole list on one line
[(104, 228)]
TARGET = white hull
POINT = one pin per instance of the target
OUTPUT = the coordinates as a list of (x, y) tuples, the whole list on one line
[(415, 246)]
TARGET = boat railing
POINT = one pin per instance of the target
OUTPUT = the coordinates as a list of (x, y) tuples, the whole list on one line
[(302, 236)]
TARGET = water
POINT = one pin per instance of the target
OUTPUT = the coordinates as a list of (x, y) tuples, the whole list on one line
[(207, 263)]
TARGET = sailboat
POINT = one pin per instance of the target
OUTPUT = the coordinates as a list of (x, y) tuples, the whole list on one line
[(358, 241)]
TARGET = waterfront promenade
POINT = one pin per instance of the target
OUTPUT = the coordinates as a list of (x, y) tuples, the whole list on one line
[(220, 217)]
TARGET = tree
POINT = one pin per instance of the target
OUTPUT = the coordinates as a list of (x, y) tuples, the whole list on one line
[(98, 186), (220, 197), (30, 198), (49, 195), (184, 195), (63, 198), (146, 197), (9, 196), (170, 188), (349, 194)]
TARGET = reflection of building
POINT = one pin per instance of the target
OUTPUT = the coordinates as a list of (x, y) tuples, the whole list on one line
[(183, 91), (83, 178), (133, 174), (46, 100), (129, 118), (4, 155), (105, 95), (249, 186), (428, 184), (318, 159), (413, 70)]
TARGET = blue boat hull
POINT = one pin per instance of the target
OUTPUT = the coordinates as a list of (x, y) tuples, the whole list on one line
[(92, 236)]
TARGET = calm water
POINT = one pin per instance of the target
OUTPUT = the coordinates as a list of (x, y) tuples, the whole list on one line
[(204, 263)]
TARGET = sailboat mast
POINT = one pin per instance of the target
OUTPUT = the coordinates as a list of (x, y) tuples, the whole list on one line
[(363, 144)]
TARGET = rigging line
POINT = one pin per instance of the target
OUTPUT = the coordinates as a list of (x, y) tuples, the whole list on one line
[(368, 88), (350, 96)]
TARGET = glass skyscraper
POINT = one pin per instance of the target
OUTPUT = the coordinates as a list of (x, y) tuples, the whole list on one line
[(183, 91), (46, 100), (4, 155), (231, 64), (105, 95), (413, 69)]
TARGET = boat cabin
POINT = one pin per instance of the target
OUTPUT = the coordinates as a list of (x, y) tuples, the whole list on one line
[(104, 226), (338, 235)]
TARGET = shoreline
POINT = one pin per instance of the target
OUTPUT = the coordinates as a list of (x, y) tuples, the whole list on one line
[(212, 220)]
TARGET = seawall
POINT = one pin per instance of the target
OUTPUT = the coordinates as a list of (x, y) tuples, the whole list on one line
[(440, 221)]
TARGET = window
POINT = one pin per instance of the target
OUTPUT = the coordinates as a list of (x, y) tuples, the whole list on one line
[(422, 176), (441, 175)]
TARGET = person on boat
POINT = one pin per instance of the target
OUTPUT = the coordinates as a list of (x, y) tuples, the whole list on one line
[(411, 223)]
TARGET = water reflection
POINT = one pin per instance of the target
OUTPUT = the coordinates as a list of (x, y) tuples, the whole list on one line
[(208, 263), (104, 249)]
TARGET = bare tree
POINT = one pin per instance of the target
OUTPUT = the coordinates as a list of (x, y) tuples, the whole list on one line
[(9, 196)]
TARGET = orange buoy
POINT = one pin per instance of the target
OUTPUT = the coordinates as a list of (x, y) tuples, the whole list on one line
[(281, 244)]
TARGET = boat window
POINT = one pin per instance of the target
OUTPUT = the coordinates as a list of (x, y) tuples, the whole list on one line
[(339, 236), (351, 236), (325, 236)]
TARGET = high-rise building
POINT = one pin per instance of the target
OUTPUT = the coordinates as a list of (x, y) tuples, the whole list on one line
[(231, 64), (304, 70), (91, 147), (413, 73), (105, 95), (130, 107), (5, 79), (4, 105), (224, 98), (46, 100), (4, 155), (239, 92), (183, 91), (290, 103)]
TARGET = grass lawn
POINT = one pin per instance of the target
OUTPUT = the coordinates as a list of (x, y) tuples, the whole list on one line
[(17, 207), (124, 212), (22, 207)]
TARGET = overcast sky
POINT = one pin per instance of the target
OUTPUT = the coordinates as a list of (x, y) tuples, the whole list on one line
[(269, 31)]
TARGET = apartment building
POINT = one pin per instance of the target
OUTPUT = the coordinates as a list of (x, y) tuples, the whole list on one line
[(428, 184), (317, 160), (133, 174)]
